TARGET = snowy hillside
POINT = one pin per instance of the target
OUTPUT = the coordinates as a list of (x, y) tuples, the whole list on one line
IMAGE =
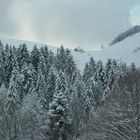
[(30, 44), (127, 50)]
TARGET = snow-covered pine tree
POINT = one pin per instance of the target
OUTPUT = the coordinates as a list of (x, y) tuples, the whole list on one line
[(41, 89), (92, 67), (89, 71), (46, 54), (51, 83), (108, 69), (90, 94), (62, 83), (2, 73), (111, 72), (77, 104), (42, 65), (60, 59), (14, 50), (13, 97), (23, 56), (88, 106), (35, 57), (32, 103), (2, 51), (26, 68), (70, 67), (95, 93), (64, 61), (12, 105), (100, 76), (10, 61), (51, 59), (58, 121), (1, 45), (86, 73), (75, 114), (79, 85), (3, 116), (58, 115), (122, 68), (32, 115), (3, 93), (6, 49), (28, 76)]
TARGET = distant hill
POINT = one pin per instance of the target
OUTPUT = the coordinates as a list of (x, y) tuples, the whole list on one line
[(124, 35), (127, 50)]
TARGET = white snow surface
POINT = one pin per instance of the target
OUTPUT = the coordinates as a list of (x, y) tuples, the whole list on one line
[(122, 51)]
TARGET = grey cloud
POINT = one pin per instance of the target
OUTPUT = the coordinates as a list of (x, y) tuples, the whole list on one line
[(88, 23), (85, 23), (7, 26)]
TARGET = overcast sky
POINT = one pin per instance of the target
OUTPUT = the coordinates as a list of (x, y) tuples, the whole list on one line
[(85, 23)]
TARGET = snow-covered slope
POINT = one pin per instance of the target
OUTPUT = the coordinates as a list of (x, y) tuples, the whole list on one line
[(127, 50), (30, 44)]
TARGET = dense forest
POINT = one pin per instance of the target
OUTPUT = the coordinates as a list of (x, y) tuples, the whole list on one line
[(43, 96)]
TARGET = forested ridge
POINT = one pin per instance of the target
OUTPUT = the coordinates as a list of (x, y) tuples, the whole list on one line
[(43, 96)]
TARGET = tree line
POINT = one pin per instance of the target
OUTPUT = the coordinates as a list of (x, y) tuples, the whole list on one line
[(43, 96)]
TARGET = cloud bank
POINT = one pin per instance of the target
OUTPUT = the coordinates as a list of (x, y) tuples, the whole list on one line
[(86, 23)]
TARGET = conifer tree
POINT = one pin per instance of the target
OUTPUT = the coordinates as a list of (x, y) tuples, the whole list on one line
[(100, 76), (28, 76), (77, 104), (51, 59), (32, 114), (10, 61), (58, 116), (14, 50), (6, 51), (35, 57), (12, 105), (23, 56), (41, 89), (89, 71), (42, 65), (60, 59), (95, 93), (1, 45), (61, 83), (86, 73), (7, 48), (2, 75), (111, 71), (88, 106), (2, 51), (70, 67), (3, 93), (32, 103), (51, 84), (13, 96), (46, 54), (123, 68)]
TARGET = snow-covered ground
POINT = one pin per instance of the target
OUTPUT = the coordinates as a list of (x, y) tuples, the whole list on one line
[(30, 44), (122, 51), (127, 50)]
